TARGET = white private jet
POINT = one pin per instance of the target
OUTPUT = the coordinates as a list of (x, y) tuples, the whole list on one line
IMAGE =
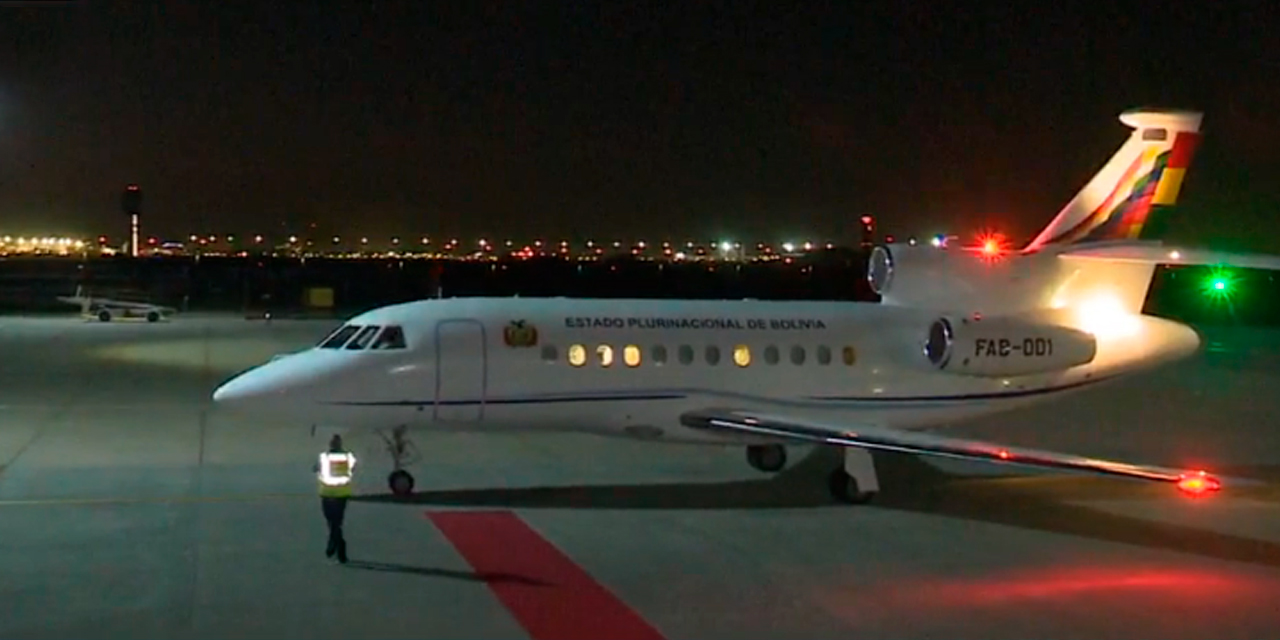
[(958, 334), (108, 309)]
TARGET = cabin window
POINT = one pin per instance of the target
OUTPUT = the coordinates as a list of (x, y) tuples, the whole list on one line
[(850, 356), (686, 354), (797, 355), (771, 354), (742, 355), (577, 355), (362, 338), (392, 337), (1155, 134), (339, 337), (605, 353), (712, 354), (824, 354), (549, 353), (659, 354), (631, 355)]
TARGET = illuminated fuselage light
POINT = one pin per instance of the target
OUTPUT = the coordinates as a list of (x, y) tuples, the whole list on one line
[(1198, 484), (1174, 255), (1104, 317)]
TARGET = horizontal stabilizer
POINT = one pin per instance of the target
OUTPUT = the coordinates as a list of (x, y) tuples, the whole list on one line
[(1156, 253)]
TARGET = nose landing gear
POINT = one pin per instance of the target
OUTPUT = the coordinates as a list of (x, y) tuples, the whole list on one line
[(403, 453)]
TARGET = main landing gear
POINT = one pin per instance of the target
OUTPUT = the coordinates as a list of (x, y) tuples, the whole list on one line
[(403, 453), (769, 458), (856, 482)]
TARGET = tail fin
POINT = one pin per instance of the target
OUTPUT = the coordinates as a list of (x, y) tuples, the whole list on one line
[(1146, 172)]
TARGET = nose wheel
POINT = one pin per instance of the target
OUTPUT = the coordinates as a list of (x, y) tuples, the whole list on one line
[(403, 453), (400, 482)]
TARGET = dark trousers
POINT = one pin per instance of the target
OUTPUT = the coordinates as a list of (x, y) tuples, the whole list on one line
[(334, 511)]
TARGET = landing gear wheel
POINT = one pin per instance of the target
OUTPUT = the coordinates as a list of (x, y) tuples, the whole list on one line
[(844, 488), (767, 457), (104, 316), (153, 316), (400, 482)]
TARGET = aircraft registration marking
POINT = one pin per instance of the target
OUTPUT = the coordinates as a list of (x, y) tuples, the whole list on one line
[(1004, 347)]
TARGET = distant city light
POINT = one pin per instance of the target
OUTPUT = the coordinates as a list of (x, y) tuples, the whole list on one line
[(788, 247)]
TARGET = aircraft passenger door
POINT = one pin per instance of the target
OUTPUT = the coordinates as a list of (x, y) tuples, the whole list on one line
[(461, 371)]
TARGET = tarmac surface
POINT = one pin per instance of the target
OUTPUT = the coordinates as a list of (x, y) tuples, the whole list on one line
[(128, 508)]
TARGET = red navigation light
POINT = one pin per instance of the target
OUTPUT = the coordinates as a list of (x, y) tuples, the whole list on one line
[(1198, 484), (1003, 454)]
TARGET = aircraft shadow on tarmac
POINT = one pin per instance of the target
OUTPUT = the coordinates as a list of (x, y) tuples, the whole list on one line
[(1039, 503), (433, 572)]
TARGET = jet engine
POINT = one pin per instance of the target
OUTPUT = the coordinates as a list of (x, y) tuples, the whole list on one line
[(1002, 346), (957, 278)]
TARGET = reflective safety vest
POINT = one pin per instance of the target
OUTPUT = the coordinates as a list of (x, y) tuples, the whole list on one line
[(335, 474)]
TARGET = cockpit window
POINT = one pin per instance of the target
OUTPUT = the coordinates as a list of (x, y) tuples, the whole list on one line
[(363, 338), (392, 337), (339, 337)]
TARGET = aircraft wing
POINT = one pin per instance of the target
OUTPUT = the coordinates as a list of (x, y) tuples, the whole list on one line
[(1146, 252), (902, 441)]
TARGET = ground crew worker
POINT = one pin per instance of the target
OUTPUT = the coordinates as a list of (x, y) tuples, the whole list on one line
[(335, 472)]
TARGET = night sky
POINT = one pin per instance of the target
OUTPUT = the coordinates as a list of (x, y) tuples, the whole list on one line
[(747, 120)]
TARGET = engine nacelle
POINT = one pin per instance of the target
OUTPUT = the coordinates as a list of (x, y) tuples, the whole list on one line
[(1002, 346), (948, 279)]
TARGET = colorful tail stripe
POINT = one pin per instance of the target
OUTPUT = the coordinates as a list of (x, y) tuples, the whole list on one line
[(1159, 186)]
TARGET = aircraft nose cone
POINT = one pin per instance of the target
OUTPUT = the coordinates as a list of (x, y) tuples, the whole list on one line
[(238, 389)]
